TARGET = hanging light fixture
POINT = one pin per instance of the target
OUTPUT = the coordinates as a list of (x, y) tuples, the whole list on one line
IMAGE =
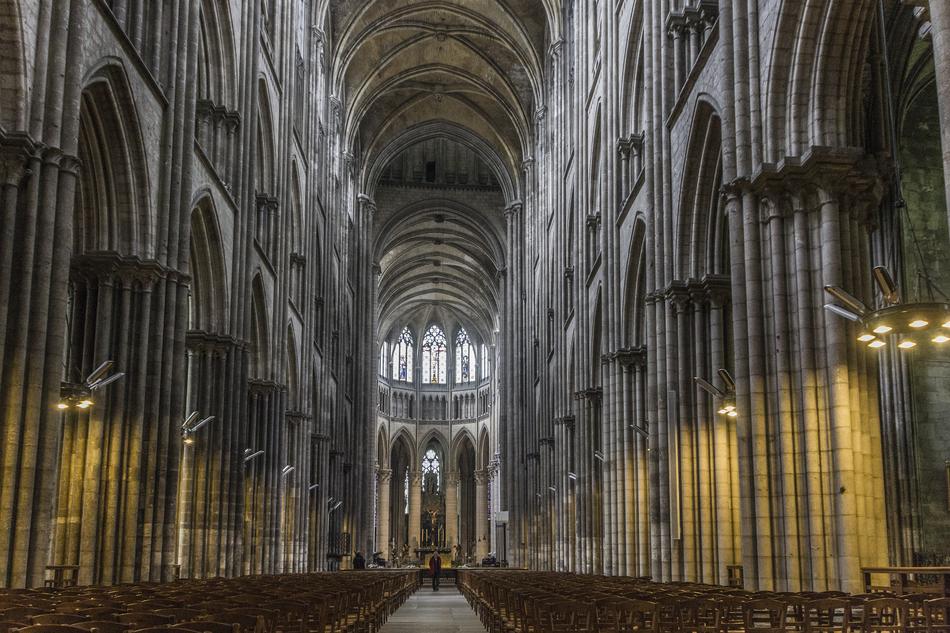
[(726, 397), (907, 325), (923, 322)]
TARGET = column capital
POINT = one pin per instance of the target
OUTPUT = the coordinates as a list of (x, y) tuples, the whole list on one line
[(554, 50), (513, 207), (452, 478), (367, 202), (482, 476), (384, 475)]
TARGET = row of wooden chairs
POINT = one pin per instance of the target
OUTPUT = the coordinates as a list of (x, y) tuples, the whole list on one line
[(339, 602), (548, 602)]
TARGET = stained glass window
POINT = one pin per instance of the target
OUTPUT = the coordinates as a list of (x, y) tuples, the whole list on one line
[(402, 356), (405, 492), (383, 358), (431, 470), (485, 368), (433, 356), (464, 358)]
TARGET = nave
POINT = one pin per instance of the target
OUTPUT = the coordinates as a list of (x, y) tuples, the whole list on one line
[(443, 611)]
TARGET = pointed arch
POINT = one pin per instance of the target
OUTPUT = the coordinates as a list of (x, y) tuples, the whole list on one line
[(483, 449), (596, 341), (463, 439), (382, 447), (265, 179), (216, 73), (112, 196), (634, 298), (402, 356), (435, 436), (209, 300), (699, 207), (434, 355), (260, 330), (403, 440), (292, 379)]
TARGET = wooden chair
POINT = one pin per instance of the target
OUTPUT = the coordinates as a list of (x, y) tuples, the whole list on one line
[(765, 615), (180, 614), (204, 626), (20, 614), (828, 615), (246, 623), (139, 620), (163, 629), (937, 615), (57, 618), (103, 626), (52, 628), (644, 616), (884, 615)]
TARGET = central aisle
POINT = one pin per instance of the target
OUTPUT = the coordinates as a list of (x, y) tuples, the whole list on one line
[(434, 612)]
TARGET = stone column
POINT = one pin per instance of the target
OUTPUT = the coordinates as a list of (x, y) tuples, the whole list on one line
[(624, 146), (415, 510), (384, 477), (451, 510), (482, 538), (940, 32)]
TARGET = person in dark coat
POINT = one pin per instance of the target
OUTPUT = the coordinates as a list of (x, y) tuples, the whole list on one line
[(435, 568), (358, 561)]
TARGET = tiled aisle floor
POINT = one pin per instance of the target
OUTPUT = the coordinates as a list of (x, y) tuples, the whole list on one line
[(434, 612)]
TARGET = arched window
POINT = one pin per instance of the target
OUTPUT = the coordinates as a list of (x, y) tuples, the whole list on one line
[(383, 358), (431, 472), (464, 358), (433, 356), (485, 368), (402, 356), (405, 492)]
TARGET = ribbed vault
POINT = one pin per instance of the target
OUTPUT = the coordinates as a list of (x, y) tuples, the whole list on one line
[(466, 73), (438, 252)]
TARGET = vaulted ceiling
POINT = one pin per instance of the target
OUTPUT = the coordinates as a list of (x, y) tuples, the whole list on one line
[(467, 71)]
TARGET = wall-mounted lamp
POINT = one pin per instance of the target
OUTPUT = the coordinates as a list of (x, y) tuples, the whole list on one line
[(726, 397), (191, 425), (74, 395)]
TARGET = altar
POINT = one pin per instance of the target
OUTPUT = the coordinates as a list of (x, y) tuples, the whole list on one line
[(423, 554)]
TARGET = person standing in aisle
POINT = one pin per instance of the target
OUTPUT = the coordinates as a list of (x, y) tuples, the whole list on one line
[(435, 567)]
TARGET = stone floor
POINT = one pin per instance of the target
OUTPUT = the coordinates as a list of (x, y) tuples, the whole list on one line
[(434, 612)]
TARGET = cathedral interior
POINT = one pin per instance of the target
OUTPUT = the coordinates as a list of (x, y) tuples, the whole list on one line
[(596, 289)]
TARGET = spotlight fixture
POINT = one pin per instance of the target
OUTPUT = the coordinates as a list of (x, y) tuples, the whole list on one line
[(572, 476), (726, 396), (313, 487), (598, 456), (286, 470), (250, 455), (78, 395), (552, 488), (191, 425), (913, 323), (336, 506)]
